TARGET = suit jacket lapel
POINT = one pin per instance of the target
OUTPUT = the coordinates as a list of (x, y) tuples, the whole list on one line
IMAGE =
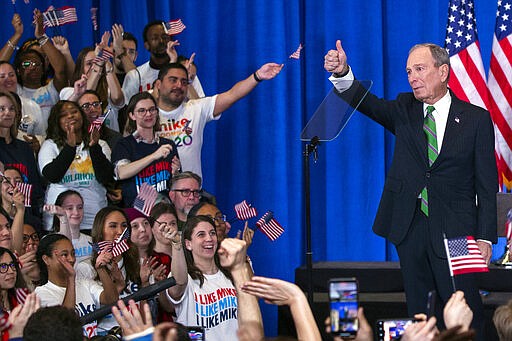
[(453, 124)]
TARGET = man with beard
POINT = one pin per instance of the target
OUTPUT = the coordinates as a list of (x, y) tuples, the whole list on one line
[(185, 193), (183, 121), (142, 78)]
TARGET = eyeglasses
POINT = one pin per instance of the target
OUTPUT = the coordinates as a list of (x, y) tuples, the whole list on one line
[(34, 236), (89, 106), (220, 219), (30, 63), (143, 111), (4, 267), (4, 109), (186, 192)]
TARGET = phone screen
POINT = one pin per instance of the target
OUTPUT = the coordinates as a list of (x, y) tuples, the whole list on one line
[(388, 330), (196, 333), (343, 297)]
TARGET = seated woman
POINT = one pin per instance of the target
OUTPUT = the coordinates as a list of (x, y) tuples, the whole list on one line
[(199, 280), (142, 156), (124, 269), (68, 214), (56, 259), (16, 153), (71, 158), (12, 287)]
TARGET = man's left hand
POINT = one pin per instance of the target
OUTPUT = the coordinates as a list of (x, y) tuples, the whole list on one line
[(485, 249)]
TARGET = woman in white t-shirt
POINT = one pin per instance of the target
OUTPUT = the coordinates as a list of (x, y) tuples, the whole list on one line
[(204, 294), (73, 158), (68, 214), (56, 259)]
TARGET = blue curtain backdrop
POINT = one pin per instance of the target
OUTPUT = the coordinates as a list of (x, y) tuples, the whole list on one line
[(254, 151)]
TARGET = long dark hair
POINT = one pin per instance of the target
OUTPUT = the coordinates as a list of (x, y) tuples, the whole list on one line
[(193, 270), (54, 130), (46, 248), (20, 282), (102, 87), (130, 257), (60, 199), (131, 126)]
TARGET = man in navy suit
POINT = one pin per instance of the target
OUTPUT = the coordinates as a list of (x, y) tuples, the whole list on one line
[(461, 183)]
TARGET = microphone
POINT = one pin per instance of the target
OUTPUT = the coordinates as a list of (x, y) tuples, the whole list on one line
[(142, 294)]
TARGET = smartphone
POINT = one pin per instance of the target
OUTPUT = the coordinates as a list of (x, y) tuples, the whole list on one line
[(431, 303), (392, 329), (196, 333), (344, 301)]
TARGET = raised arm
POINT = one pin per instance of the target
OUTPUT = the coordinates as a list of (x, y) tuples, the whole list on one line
[(12, 44), (17, 223), (61, 44), (335, 61), (58, 211), (57, 60), (242, 88), (119, 52), (280, 292), (178, 264), (232, 253)]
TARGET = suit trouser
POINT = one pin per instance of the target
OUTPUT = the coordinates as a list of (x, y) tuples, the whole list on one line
[(423, 270)]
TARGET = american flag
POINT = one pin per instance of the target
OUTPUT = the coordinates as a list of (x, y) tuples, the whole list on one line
[(500, 90), (117, 247), (103, 56), (94, 18), (269, 226), (296, 54), (464, 256), (26, 189), (467, 78), (98, 122), (174, 27), (21, 295), (245, 211), (60, 16), (146, 198)]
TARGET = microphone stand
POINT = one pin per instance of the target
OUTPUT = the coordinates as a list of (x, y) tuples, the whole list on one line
[(311, 148)]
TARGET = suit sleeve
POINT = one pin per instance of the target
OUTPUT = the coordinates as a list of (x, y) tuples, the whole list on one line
[(486, 180)]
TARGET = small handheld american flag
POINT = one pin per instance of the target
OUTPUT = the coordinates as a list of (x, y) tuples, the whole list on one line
[(464, 256), (26, 189), (269, 226), (53, 17), (103, 56), (117, 247), (174, 27), (98, 122), (245, 211), (296, 54), (146, 198)]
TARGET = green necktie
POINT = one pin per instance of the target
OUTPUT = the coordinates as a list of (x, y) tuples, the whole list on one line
[(429, 127)]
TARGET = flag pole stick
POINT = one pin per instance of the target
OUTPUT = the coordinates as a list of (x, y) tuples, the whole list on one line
[(449, 262)]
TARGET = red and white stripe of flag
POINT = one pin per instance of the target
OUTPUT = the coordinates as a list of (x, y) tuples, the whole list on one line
[(147, 195), (245, 211), (94, 18), (26, 189), (296, 54), (500, 97), (57, 17), (174, 27), (269, 226)]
